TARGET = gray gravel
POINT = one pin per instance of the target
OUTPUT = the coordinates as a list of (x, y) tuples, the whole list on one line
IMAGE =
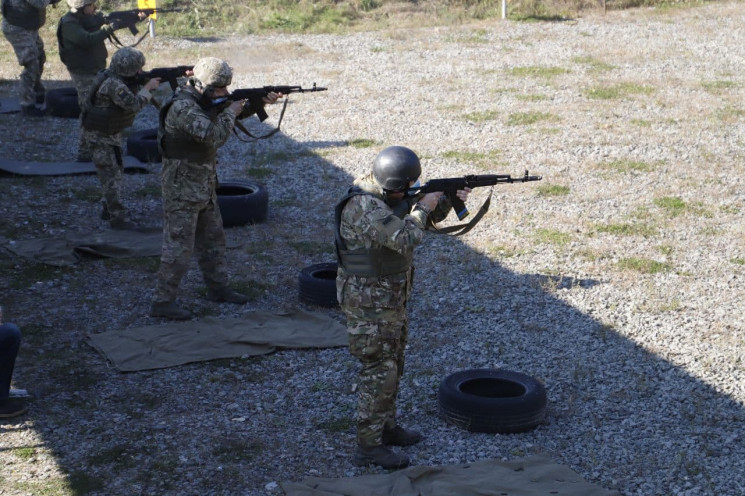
[(618, 281)]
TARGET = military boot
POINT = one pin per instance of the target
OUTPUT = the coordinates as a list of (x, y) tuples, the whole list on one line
[(227, 295), (398, 436), (379, 455), (169, 310), (105, 215), (32, 111), (121, 224)]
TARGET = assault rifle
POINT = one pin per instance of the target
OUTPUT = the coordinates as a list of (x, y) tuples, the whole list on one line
[(451, 185), (170, 74), (129, 18), (255, 96)]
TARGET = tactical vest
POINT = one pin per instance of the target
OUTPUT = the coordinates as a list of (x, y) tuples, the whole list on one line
[(372, 262), (25, 15), (180, 146), (76, 58), (107, 120)]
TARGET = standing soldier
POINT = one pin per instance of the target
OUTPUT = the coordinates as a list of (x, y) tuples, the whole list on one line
[(22, 20), (112, 107), (377, 228), (193, 125), (81, 35)]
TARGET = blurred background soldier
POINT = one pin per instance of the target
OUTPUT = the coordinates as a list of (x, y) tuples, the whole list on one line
[(111, 108), (193, 125), (377, 228), (21, 22), (81, 35)]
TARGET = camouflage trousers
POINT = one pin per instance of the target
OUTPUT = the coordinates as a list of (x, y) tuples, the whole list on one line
[(378, 339), (190, 228), (109, 167), (29, 49), (83, 85)]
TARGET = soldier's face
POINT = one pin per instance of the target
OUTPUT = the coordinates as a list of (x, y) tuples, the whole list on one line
[(90, 9)]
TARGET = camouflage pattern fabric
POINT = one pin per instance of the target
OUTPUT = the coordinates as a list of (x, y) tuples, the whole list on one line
[(29, 50), (83, 85), (192, 219), (376, 307), (106, 149)]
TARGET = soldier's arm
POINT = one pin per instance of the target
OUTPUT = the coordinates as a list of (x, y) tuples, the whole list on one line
[(122, 97), (379, 224), (194, 122), (77, 35), (39, 4)]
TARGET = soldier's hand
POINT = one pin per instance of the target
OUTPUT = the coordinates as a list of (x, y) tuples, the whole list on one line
[(430, 200), (463, 193), (237, 106), (272, 97), (152, 84)]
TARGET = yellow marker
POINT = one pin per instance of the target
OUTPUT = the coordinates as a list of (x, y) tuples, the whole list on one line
[(147, 4)]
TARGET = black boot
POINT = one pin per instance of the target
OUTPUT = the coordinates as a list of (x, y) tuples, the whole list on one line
[(227, 295), (398, 436), (379, 455), (32, 111), (169, 310)]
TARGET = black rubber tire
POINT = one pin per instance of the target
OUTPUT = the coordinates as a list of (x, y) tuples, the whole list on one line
[(491, 400), (63, 102), (317, 285), (143, 145), (242, 202)]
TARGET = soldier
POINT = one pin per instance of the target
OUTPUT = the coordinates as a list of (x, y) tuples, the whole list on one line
[(81, 35), (112, 107), (192, 126), (377, 228), (22, 20)]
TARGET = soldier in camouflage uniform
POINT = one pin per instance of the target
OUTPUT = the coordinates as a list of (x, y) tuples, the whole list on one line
[(22, 20), (377, 228), (193, 125), (81, 36), (110, 108)]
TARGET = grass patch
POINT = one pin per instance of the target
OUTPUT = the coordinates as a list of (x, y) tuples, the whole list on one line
[(483, 116), (718, 87), (643, 265), (237, 450), (341, 424), (89, 194), (528, 118), (593, 64), (550, 236), (475, 36), (480, 159), (259, 172), (627, 229), (312, 247), (624, 166), (737, 261), (146, 264), (32, 273), (25, 453), (672, 205), (616, 91), (362, 143), (150, 190), (552, 190), (729, 114), (532, 98), (537, 71)]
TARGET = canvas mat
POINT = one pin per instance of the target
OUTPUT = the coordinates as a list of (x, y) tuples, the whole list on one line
[(22, 168), (71, 248), (531, 476), (256, 333)]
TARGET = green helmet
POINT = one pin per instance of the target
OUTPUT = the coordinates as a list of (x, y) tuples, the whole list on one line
[(76, 5), (127, 62), (395, 167), (212, 72)]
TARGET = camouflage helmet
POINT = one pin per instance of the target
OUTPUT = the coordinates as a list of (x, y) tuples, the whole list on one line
[(395, 167), (127, 62), (211, 71), (76, 5)]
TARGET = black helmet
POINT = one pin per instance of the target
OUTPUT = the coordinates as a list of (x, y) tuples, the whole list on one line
[(395, 167)]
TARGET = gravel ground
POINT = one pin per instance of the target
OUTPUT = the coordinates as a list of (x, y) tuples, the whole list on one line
[(618, 280)]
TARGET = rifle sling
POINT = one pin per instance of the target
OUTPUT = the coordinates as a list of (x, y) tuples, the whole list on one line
[(460, 229), (113, 38), (239, 125)]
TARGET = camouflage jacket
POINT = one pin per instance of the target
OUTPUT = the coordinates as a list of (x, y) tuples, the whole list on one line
[(26, 14), (368, 222), (113, 100), (185, 180)]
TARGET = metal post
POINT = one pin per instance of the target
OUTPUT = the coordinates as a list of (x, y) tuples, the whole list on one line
[(504, 9)]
